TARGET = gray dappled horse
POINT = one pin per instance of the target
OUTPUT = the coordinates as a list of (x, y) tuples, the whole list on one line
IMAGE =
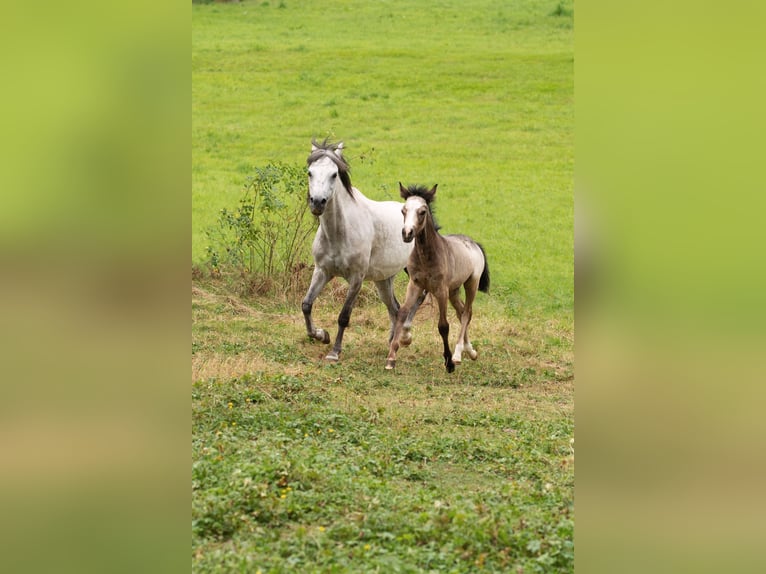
[(357, 239)]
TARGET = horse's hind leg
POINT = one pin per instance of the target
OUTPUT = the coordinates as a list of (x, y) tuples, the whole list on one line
[(466, 313), (354, 285), (386, 292), (318, 280)]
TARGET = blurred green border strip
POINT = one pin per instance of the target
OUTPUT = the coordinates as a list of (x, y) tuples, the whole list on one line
[(94, 247), (670, 284)]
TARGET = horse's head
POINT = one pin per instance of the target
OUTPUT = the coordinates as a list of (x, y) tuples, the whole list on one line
[(328, 172), (416, 210)]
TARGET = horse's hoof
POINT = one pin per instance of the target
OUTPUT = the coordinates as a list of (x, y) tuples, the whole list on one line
[(322, 335), (390, 365), (457, 360), (405, 339), (450, 367), (332, 357), (472, 355)]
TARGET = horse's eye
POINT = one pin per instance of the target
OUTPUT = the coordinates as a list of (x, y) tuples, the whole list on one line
[(404, 211), (311, 175), (334, 175)]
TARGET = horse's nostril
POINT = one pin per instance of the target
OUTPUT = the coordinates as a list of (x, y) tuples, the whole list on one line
[(324, 200)]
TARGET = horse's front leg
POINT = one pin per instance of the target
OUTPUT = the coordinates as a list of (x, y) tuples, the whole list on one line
[(454, 298), (406, 337), (444, 331), (413, 299), (318, 280), (354, 286)]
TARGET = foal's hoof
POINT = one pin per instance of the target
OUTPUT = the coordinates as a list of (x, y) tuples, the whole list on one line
[(332, 356), (450, 367), (390, 365), (472, 354), (405, 339), (322, 335)]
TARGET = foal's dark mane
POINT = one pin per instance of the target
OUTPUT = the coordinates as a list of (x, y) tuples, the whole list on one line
[(425, 193), (327, 149)]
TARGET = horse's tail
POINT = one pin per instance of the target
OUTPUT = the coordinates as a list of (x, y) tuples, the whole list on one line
[(484, 279)]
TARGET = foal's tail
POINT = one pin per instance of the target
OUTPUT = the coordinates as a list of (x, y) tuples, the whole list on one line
[(484, 279)]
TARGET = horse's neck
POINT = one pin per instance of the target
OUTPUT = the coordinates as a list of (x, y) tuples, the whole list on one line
[(338, 214), (428, 242)]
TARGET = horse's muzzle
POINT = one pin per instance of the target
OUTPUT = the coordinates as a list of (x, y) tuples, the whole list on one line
[(407, 236), (317, 205)]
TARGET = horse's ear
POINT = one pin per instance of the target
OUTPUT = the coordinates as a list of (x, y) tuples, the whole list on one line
[(431, 193), (403, 191), (339, 150), (313, 147)]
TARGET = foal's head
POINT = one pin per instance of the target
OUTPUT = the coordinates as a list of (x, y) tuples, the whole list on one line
[(416, 210), (328, 172)]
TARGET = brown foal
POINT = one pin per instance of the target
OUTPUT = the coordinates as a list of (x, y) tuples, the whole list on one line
[(440, 265)]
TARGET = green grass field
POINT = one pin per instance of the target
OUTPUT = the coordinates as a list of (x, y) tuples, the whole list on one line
[(301, 466), (474, 96)]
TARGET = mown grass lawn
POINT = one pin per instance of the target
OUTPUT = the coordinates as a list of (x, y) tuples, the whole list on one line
[(303, 466)]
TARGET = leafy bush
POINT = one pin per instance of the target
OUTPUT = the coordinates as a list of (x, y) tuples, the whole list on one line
[(267, 236)]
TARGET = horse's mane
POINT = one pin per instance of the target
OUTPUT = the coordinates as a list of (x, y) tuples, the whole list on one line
[(426, 194), (327, 149)]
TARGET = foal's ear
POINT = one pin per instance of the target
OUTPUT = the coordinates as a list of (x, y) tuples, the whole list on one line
[(431, 193), (403, 191), (339, 150)]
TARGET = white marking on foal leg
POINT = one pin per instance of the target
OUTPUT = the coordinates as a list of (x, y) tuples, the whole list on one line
[(406, 338), (457, 355)]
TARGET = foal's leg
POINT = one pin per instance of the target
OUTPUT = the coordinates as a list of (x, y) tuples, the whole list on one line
[(441, 298), (470, 294), (318, 280), (406, 337), (454, 298), (354, 285), (413, 298)]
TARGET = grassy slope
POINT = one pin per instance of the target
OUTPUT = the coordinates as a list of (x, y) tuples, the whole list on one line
[(421, 471)]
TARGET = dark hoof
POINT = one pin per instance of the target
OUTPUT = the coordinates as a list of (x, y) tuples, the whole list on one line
[(450, 367), (321, 335)]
